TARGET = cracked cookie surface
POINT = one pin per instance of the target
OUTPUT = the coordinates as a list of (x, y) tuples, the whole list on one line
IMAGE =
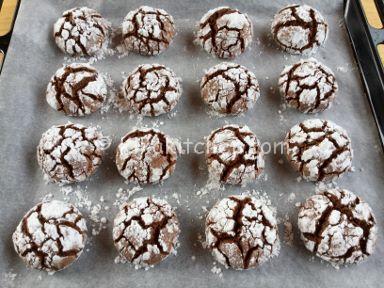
[(146, 231), (241, 232), (148, 31), (234, 155), (146, 156), (76, 89), (308, 86), (338, 226), (81, 32), (229, 88), (150, 90), (319, 149), (51, 236), (299, 29), (224, 32), (71, 153)]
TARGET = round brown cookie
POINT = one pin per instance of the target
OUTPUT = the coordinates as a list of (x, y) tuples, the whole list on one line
[(150, 90), (299, 29), (229, 88), (81, 32), (234, 155), (338, 226), (51, 236), (76, 89), (224, 32), (319, 149), (148, 31), (308, 86), (146, 231), (241, 232), (146, 156), (71, 153)]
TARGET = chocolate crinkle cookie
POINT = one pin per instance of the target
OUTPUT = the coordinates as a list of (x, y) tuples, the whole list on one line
[(338, 227), (319, 149), (51, 236), (224, 32), (148, 31), (146, 156), (229, 88), (234, 155), (76, 89), (150, 90), (299, 29), (308, 86), (241, 232), (71, 152), (146, 231), (81, 32)]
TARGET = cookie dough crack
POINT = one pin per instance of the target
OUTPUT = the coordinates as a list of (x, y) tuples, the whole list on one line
[(58, 84), (346, 210), (37, 249), (229, 166), (298, 21), (145, 40), (291, 77), (212, 22)]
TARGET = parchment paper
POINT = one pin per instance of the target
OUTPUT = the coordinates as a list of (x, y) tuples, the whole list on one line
[(33, 58)]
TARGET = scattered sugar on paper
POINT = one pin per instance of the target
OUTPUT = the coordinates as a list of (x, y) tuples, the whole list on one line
[(111, 100), (262, 196), (291, 197), (96, 211), (47, 197), (322, 186), (217, 270), (176, 197), (120, 260), (124, 195), (8, 279), (172, 114)]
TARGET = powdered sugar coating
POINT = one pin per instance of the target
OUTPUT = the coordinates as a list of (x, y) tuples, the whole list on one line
[(51, 236), (308, 86), (71, 152), (148, 31), (338, 226), (150, 90), (224, 32), (146, 156), (299, 29), (76, 89), (81, 32), (234, 155), (229, 88), (146, 231), (319, 149), (241, 232)]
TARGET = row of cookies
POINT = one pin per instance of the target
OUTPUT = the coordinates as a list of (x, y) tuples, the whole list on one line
[(78, 89), (318, 149), (241, 231), (223, 32)]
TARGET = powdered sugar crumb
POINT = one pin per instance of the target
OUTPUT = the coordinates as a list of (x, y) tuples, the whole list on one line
[(95, 211), (8, 279), (217, 270), (211, 185), (124, 195)]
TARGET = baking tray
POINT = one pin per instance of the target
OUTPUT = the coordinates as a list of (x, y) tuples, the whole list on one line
[(33, 58)]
